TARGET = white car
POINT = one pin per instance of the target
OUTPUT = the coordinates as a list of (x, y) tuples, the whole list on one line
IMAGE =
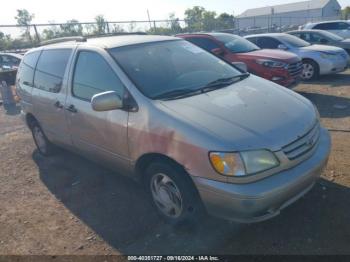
[(340, 27), (317, 59)]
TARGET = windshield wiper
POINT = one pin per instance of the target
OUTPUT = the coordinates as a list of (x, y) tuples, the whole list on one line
[(219, 83), (222, 82), (177, 93)]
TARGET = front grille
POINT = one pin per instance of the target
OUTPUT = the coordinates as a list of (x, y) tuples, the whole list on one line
[(303, 144), (295, 69)]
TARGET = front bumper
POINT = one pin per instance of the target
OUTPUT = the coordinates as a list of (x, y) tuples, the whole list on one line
[(263, 199), (331, 66)]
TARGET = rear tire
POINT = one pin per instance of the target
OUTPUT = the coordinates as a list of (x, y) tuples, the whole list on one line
[(172, 193), (44, 146), (310, 70)]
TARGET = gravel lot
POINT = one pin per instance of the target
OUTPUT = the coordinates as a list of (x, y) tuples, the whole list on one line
[(67, 205)]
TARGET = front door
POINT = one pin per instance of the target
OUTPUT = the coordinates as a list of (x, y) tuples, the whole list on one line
[(101, 136)]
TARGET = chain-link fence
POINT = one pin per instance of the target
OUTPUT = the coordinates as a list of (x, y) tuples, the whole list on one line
[(14, 37)]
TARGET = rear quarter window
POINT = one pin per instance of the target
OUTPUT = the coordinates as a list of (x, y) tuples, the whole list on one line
[(50, 69), (205, 43), (26, 70)]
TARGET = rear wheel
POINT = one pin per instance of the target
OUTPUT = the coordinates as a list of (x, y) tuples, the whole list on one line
[(173, 193), (310, 70), (44, 146)]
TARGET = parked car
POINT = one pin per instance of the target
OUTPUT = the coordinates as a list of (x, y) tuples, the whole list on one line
[(195, 130), (317, 59), (339, 27), (278, 66), (322, 37), (9, 60)]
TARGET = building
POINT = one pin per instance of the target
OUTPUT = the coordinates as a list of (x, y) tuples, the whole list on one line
[(289, 14)]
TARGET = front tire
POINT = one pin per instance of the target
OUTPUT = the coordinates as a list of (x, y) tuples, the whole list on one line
[(172, 193), (310, 70), (44, 146)]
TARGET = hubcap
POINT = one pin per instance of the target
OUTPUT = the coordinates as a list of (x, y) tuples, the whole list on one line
[(166, 195), (308, 71), (39, 139)]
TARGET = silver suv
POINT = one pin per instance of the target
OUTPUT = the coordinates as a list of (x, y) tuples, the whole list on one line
[(199, 133)]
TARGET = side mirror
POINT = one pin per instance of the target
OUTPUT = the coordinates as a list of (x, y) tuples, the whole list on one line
[(106, 101), (282, 47), (217, 51), (323, 41), (240, 65)]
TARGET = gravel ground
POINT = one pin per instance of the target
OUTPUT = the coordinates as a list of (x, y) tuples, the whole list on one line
[(67, 205)]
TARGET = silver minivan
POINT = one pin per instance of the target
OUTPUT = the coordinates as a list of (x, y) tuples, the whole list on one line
[(199, 133)]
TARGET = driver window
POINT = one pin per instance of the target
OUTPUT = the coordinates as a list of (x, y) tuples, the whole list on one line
[(93, 75)]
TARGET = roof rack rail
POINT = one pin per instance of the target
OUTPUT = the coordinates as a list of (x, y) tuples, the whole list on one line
[(63, 39)]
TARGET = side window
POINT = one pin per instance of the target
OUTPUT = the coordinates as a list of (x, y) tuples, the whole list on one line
[(324, 26), (204, 43), (343, 26), (31, 59), (306, 37), (332, 26), (26, 69), (252, 39), (93, 75), (268, 42), (316, 38), (50, 69)]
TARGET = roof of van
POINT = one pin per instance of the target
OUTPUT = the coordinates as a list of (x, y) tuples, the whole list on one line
[(117, 41)]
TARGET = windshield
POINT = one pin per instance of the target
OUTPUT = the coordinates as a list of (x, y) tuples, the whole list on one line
[(236, 44), (331, 36), (294, 41), (170, 67)]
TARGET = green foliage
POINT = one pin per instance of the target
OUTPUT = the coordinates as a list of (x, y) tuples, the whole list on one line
[(24, 18), (199, 19), (346, 13), (196, 19), (101, 25)]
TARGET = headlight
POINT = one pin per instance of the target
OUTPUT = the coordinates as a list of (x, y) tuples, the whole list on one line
[(327, 55), (243, 163), (271, 63)]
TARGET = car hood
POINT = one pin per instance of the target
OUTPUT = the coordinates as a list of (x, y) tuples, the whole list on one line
[(322, 48), (253, 113), (272, 54)]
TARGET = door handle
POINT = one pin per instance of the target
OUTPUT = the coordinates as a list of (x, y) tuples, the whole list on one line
[(72, 109), (58, 105)]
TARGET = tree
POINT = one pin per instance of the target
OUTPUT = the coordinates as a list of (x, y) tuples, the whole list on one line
[(346, 13), (101, 25), (199, 19), (117, 29), (24, 18), (174, 24), (71, 28), (194, 18), (225, 21)]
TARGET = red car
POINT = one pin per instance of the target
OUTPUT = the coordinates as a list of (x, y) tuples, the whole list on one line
[(281, 67)]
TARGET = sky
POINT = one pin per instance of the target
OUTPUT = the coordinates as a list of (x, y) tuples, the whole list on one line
[(119, 10)]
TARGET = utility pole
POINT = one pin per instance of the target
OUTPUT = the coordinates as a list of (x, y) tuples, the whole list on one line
[(149, 20)]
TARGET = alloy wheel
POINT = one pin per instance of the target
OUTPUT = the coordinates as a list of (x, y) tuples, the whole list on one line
[(308, 71)]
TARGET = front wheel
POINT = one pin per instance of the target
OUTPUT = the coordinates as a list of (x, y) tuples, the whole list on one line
[(310, 70), (173, 193)]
